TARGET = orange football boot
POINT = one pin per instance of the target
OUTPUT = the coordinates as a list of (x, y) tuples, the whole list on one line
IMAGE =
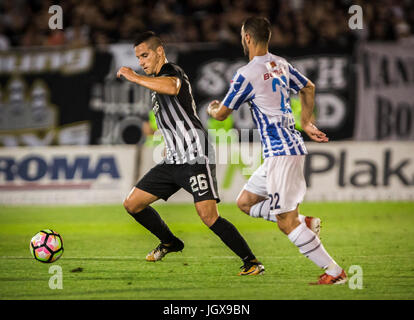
[(327, 279)]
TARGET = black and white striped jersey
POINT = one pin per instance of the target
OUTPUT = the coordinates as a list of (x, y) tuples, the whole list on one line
[(185, 138)]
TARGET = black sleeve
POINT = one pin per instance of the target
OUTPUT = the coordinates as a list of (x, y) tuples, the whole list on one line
[(171, 70)]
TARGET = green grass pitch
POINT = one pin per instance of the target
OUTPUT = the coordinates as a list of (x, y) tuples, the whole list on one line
[(110, 247)]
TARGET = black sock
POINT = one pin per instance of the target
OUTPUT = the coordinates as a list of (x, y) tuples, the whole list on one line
[(232, 238), (151, 220)]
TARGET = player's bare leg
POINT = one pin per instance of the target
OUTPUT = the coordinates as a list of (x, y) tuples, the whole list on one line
[(246, 200), (207, 210), (288, 221), (137, 204), (311, 247), (137, 200), (258, 206)]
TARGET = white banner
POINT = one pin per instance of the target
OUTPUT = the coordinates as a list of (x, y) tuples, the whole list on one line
[(336, 171), (360, 171), (385, 107), (66, 175)]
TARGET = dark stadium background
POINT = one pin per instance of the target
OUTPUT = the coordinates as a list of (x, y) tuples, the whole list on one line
[(74, 139), (196, 32)]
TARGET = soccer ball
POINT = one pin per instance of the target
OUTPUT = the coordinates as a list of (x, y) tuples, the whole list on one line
[(46, 246)]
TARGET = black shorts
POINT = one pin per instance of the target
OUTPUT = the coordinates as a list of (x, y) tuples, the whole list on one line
[(164, 180)]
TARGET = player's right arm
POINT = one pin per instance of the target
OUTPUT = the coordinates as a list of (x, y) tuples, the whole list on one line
[(218, 111), (239, 92), (169, 85)]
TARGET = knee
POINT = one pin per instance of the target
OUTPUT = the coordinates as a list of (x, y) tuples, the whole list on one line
[(132, 207), (243, 205), (128, 206), (208, 218)]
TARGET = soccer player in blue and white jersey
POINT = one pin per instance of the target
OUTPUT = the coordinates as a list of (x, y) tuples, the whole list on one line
[(265, 83)]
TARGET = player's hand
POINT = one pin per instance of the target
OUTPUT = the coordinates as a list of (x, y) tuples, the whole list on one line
[(314, 133), (213, 105), (127, 73)]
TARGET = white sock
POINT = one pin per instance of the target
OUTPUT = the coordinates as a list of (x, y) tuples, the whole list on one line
[(262, 210), (311, 247)]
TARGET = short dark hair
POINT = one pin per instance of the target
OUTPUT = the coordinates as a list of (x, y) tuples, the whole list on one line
[(258, 28), (150, 37)]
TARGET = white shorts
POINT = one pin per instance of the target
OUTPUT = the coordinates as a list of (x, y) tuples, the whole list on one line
[(281, 179)]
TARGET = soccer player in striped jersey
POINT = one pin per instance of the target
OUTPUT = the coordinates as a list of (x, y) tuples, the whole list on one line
[(189, 161), (265, 83)]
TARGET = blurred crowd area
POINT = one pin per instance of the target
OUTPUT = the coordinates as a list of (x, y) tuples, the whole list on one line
[(295, 23)]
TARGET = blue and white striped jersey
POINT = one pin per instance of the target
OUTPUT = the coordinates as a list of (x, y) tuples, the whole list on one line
[(265, 83)]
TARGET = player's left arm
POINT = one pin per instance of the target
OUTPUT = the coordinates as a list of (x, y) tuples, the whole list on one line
[(298, 83), (163, 85), (218, 110), (307, 100)]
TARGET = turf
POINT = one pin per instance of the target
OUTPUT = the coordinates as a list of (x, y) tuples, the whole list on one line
[(110, 247)]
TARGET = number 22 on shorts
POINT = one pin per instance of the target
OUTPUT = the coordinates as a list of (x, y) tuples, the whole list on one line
[(274, 201)]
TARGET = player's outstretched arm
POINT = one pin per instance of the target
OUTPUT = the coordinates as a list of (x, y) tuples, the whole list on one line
[(218, 110), (162, 85), (307, 100)]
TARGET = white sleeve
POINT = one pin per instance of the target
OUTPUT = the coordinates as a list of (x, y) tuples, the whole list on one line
[(296, 80), (240, 91)]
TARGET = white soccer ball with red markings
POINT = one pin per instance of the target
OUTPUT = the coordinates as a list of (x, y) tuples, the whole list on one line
[(46, 246)]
